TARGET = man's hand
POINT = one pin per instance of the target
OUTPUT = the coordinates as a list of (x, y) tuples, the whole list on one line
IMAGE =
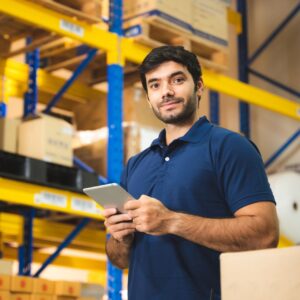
[(149, 215), (120, 226)]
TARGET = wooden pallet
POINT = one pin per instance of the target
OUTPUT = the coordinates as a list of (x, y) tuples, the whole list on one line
[(12, 30), (156, 32), (72, 8)]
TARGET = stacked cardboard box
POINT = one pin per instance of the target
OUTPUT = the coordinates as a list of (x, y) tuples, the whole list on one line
[(206, 19), (4, 287), (94, 154), (89, 7), (28, 288), (46, 138), (66, 290), (21, 287), (8, 134), (42, 289)]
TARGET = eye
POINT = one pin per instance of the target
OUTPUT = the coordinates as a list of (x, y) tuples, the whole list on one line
[(154, 86), (178, 80)]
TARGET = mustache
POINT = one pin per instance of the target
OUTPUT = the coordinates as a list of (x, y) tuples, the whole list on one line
[(167, 100)]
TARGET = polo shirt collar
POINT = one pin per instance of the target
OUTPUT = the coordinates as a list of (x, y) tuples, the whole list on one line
[(194, 135)]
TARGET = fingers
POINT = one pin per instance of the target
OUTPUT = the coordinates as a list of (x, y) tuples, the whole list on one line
[(109, 212), (114, 219), (120, 227), (121, 231), (124, 235), (132, 204)]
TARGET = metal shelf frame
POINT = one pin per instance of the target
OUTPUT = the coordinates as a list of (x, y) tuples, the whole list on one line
[(135, 52), (115, 148), (120, 49), (245, 68)]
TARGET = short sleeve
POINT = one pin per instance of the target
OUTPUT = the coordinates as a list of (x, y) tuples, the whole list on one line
[(123, 182), (124, 175), (241, 172)]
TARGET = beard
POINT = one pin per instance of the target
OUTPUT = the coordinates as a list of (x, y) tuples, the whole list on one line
[(186, 114)]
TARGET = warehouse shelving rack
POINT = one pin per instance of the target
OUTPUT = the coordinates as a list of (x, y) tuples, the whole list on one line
[(245, 69), (118, 50)]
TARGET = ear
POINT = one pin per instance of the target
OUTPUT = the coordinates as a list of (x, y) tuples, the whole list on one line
[(199, 92), (200, 87)]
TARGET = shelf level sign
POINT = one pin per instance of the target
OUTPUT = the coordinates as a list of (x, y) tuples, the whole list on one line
[(71, 27), (47, 198), (83, 205)]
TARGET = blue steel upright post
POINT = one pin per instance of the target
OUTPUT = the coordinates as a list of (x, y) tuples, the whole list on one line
[(26, 250), (30, 104), (115, 139), (31, 96), (2, 109), (243, 66)]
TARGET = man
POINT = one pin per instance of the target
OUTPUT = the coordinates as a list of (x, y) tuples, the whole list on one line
[(201, 190)]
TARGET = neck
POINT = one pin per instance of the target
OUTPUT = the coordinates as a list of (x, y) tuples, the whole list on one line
[(175, 131)]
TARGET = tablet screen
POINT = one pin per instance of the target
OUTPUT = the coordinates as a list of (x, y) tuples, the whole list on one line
[(109, 195)]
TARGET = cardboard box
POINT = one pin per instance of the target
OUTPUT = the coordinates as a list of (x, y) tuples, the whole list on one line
[(5, 282), (67, 288), (47, 138), (263, 274), (6, 266), (63, 298), (4, 295), (43, 286), (20, 296), (21, 284), (95, 154), (176, 8), (40, 297), (137, 9), (8, 134), (137, 109), (89, 7), (209, 20)]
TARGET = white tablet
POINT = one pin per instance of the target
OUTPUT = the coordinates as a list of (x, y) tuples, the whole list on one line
[(109, 195)]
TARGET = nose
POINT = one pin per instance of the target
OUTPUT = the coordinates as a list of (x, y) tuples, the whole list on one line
[(167, 90)]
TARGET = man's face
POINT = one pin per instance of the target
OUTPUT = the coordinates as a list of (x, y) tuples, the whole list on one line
[(171, 93)]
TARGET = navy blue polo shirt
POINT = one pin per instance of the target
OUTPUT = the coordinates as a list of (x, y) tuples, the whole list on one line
[(210, 172)]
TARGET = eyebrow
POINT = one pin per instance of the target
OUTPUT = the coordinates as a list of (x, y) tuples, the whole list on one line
[(170, 76)]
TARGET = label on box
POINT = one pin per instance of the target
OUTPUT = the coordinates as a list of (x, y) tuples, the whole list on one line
[(50, 199), (83, 205), (71, 27)]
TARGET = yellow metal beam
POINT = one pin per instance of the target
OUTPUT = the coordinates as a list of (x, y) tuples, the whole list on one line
[(16, 82), (97, 277), (251, 94), (48, 198), (285, 242), (99, 38), (62, 260), (56, 22), (50, 234)]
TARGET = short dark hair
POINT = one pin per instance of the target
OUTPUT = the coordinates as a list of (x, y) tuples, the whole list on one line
[(163, 54)]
